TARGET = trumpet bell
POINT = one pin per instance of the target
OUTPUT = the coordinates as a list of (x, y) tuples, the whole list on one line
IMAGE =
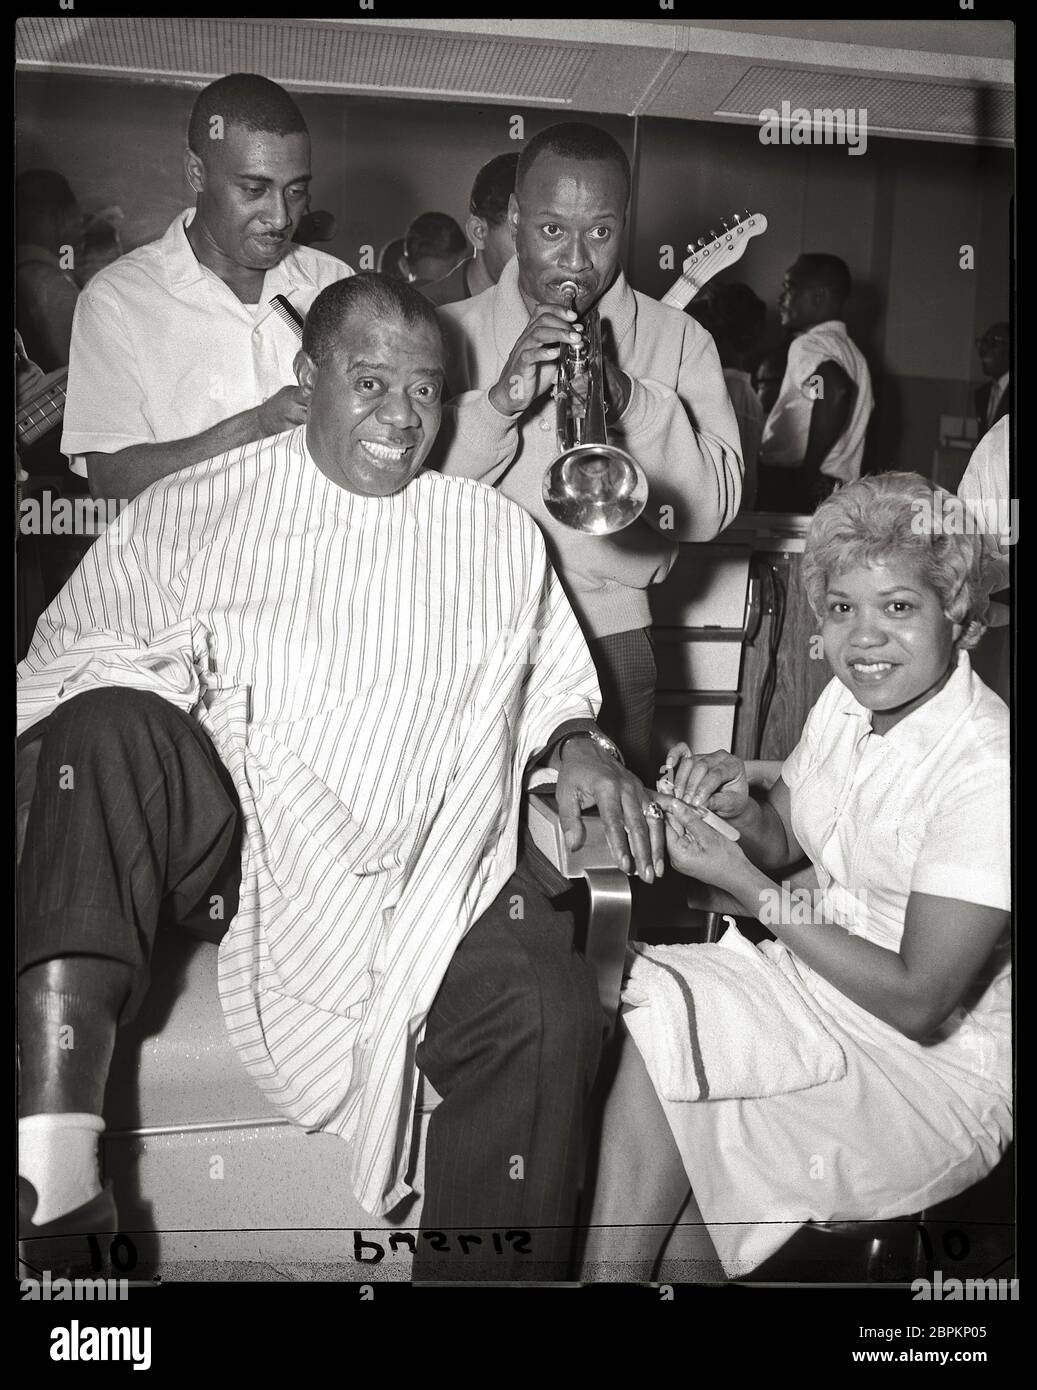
[(595, 488)]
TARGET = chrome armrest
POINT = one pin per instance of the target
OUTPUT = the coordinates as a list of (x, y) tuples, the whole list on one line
[(608, 928)]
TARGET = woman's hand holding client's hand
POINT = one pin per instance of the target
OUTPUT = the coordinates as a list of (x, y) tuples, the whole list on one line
[(690, 784), (710, 781), (697, 850)]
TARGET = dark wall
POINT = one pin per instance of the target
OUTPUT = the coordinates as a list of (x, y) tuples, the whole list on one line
[(897, 214)]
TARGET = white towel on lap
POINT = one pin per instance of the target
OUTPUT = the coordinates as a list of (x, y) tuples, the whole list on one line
[(719, 1021)]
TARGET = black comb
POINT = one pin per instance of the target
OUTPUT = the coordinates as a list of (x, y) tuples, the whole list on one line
[(288, 312)]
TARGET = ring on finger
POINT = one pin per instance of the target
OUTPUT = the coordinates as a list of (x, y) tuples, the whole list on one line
[(653, 811)]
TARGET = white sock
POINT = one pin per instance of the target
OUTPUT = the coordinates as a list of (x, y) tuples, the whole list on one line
[(59, 1156)]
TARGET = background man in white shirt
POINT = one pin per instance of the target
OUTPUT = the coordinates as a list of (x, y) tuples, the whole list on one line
[(177, 354), (815, 431)]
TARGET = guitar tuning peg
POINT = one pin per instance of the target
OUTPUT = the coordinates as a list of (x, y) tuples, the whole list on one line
[(702, 241), (736, 218)]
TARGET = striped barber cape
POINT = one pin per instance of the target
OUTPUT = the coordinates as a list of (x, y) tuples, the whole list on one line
[(375, 673)]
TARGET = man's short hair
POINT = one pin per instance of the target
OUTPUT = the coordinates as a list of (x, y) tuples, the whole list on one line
[(434, 234), (369, 293), (493, 186), (574, 140), (247, 100), (828, 273)]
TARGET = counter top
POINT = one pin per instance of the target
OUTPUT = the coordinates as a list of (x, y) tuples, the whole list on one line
[(766, 531)]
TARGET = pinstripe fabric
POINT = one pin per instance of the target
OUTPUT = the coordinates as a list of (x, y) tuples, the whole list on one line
[(361, 666)]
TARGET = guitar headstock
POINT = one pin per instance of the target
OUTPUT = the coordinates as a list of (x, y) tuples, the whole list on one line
[(713, 252)]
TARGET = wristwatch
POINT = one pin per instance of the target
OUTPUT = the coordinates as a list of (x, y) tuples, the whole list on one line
[(599, 739)]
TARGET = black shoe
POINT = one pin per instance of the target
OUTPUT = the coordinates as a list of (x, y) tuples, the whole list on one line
[(74, 1245)]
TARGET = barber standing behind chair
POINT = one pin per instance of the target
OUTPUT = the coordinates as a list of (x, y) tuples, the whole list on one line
[(813, 439), (666, 404), (177, 355)]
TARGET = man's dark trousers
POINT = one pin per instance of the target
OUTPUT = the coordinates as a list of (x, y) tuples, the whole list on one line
[(148, 828)]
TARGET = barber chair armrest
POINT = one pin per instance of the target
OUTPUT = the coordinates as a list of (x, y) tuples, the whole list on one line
[(608, 927)]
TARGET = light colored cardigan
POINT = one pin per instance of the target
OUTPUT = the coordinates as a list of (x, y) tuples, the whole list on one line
[(679, 424)]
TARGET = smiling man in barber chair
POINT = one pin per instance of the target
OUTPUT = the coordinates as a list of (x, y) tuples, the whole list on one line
[(319, 695)]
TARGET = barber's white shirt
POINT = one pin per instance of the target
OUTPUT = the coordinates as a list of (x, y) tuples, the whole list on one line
[(162, 349), (787, 427)]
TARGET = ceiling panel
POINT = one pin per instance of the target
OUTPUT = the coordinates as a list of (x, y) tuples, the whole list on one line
[(691, 71), (312, 55), (892, 105)]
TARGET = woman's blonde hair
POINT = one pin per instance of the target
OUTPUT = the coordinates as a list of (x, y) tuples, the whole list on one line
[(897, 516)]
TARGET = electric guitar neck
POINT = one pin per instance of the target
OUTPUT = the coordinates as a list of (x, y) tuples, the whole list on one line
[(714, 253)]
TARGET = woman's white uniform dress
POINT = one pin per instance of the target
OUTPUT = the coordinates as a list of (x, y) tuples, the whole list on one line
[(924, 808)]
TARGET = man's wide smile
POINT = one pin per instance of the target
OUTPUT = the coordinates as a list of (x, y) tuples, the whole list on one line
[(386, 453)]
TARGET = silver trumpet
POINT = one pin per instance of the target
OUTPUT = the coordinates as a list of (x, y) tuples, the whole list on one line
[(592, 486)]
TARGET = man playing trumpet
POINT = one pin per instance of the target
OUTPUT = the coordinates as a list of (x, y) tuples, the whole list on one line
[(665, 404)]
